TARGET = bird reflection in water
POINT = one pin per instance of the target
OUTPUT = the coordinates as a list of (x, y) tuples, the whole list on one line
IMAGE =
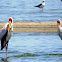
[(4, 60)]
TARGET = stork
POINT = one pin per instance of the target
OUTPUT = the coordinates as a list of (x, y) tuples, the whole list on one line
[(59, 28), (6, 34)]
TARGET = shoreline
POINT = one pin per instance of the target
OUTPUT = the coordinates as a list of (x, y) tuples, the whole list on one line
[(43, 27)]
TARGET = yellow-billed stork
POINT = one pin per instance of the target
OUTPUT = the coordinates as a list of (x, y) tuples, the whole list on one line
[(59, 28), (6, 34)]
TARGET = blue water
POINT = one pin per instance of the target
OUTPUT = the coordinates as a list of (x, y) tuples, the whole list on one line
[(33, 47), (24, 10)]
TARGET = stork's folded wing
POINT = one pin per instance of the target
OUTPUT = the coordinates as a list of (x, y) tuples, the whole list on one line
[(4, 30)]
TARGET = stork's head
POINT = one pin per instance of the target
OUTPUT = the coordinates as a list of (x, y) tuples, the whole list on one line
[(58, 22), (10, 20), (10, 23)]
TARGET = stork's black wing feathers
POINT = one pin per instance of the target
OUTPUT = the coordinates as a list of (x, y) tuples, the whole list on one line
[(4, 30), (3, 40)]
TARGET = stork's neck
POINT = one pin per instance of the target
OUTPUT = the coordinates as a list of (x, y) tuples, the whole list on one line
[(60, 25), (12, 24)]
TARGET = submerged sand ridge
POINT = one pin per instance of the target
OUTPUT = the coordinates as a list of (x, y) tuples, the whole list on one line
[(44, 27)]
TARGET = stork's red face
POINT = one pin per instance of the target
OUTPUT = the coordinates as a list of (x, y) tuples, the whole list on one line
[(58, 21), (10, 19)]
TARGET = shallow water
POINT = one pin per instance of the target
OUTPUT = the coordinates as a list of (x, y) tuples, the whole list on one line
[(24, 10), (33, 47)]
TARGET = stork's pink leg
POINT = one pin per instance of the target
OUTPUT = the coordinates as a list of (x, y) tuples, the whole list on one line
[(6, 50)]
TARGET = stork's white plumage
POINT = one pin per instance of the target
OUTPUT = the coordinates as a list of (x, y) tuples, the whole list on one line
[(59, 28), (6, 34)]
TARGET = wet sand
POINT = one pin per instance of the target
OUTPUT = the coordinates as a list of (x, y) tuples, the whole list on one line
[(44, 27)]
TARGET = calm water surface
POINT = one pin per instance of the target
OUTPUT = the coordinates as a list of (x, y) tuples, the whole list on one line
[(34, 47), (24, 10)]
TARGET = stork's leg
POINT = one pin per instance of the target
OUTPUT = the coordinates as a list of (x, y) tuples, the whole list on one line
[(6, 50)]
